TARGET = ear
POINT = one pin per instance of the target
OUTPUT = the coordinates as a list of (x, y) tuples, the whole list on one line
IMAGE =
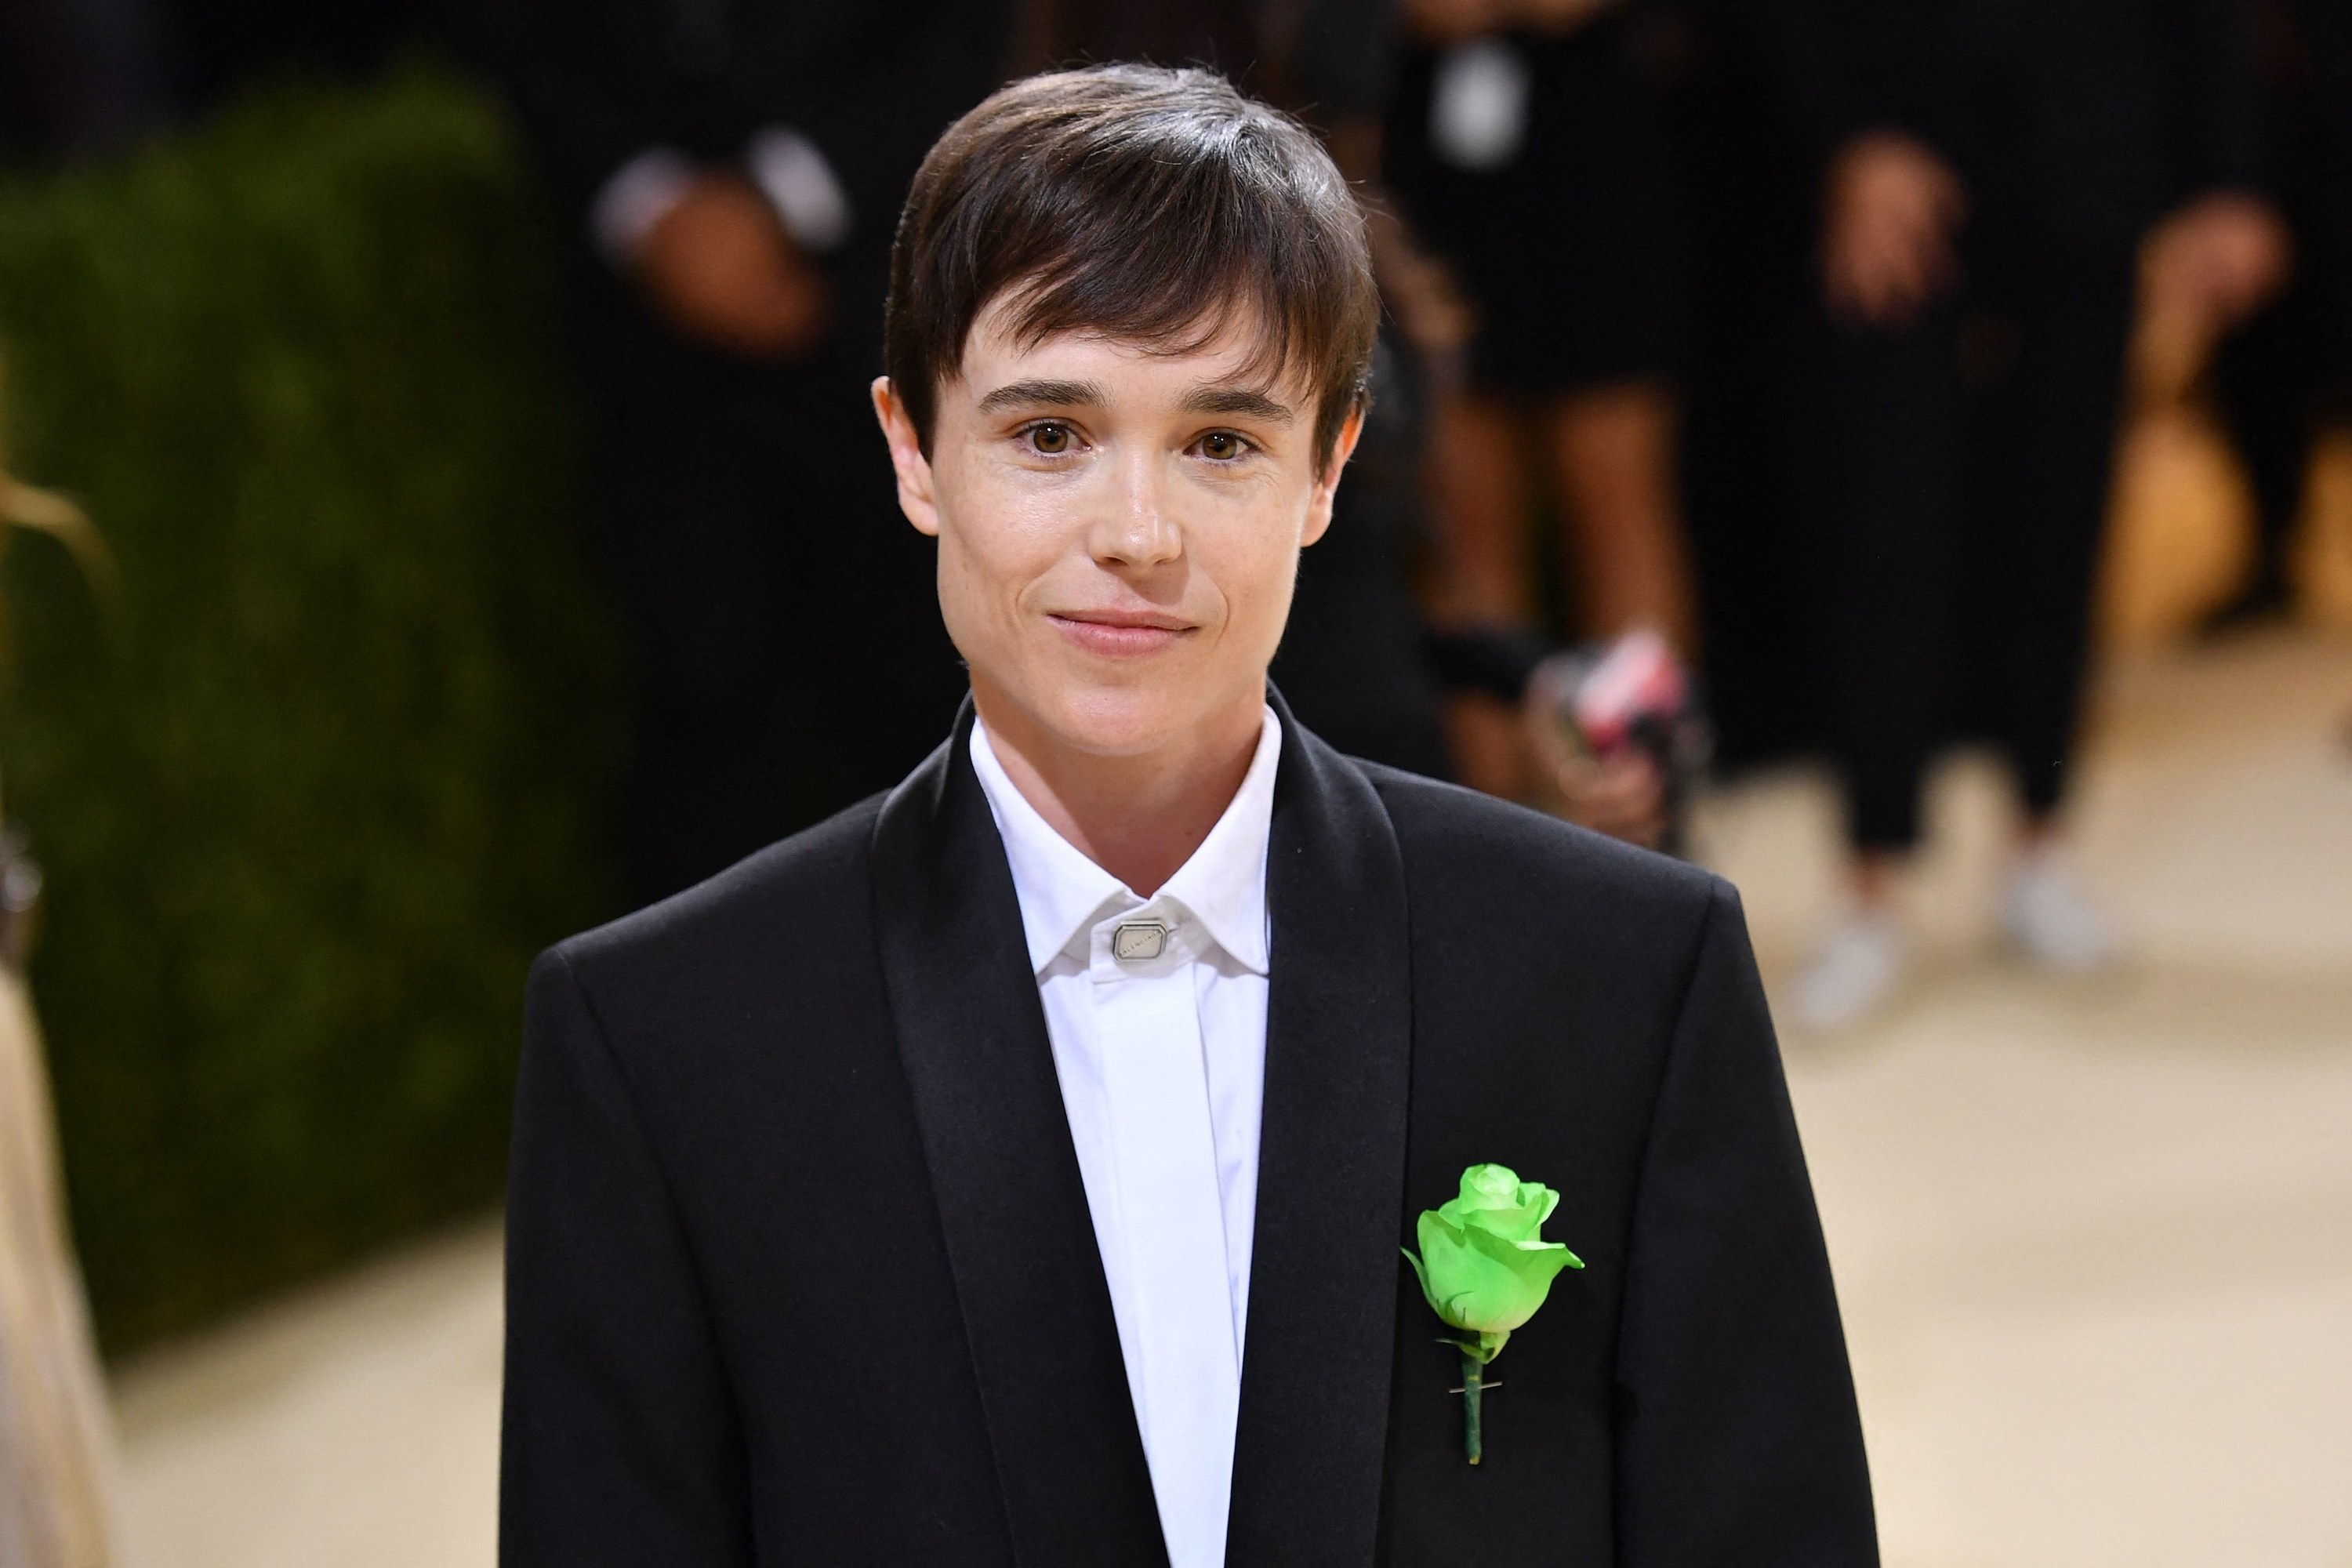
[(917, 496), (1326, 483)]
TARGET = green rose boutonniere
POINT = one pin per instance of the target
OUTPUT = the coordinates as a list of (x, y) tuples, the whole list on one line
[(1484, 1268)]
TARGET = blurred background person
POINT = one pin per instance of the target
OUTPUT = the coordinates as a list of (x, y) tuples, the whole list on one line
[(1522, 147), (57, 1457), (56, 1437), (729, 175), (1986, 176), (2284, 377)]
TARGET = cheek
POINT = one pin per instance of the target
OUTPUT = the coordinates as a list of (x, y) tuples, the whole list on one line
[(963, 590), (996, 546), (1254, 568)]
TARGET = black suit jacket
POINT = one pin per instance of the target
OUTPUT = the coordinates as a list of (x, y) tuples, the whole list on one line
[(799, 1266)]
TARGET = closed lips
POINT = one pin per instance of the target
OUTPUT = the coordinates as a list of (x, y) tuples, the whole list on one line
[(1119, 631)]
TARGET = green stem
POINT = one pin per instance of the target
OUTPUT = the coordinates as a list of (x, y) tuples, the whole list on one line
[(1472, 1384)]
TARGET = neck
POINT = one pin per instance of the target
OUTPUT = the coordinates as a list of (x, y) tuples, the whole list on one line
[(1139, 816)]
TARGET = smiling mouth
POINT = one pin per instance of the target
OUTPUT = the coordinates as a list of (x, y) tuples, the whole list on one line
[(1118, 633)]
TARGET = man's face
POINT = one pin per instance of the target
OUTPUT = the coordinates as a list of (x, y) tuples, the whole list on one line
[(1118, 530)]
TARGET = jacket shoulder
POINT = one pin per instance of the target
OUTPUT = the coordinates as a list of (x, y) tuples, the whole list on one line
[(777, 912), (1508, 859)]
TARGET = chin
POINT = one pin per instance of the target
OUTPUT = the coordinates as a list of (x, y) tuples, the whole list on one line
[(1115, 720)]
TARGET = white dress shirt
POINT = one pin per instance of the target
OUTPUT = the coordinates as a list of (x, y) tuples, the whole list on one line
[(1159, 1039)]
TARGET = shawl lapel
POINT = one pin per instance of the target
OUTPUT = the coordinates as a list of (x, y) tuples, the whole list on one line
[(1317, 1363), (1004, 1173), (1321, 1340)]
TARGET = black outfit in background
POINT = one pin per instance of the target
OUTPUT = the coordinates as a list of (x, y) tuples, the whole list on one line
[(33, 77), (2287, 373), (226, 45), (1359, 663), (801, 1269), (786, 616), (81, 77), (1226, 36), (1747, 196), (1954, 474), (1565, 250), (1356, 658)]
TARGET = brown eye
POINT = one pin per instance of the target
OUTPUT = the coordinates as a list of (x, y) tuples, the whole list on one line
[(1221, 447), (1051, 439)]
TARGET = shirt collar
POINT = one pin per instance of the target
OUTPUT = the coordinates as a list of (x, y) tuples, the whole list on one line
[(1063, 893)]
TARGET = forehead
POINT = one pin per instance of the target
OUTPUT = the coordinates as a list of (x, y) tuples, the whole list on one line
[(1232, 348)]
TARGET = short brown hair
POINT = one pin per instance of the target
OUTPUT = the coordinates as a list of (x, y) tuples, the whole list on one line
[(1144, 204)]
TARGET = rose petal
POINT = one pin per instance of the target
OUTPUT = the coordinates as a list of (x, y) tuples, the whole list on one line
[(1494, 1199), (1479, 1282)]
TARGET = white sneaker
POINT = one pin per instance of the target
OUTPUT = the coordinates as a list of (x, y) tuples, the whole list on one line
[(2052, 922), (1854, 973)]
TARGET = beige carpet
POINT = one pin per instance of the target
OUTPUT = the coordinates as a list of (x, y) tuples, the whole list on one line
[(2095, 1242)]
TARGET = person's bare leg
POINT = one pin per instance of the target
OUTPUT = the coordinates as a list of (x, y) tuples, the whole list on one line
[(1612, 452), (1478, 495), (1611, 459), (1479, 573), (1871, 879)]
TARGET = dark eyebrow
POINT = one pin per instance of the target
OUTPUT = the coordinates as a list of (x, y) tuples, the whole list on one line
[(1245, 401), (1045, 394)]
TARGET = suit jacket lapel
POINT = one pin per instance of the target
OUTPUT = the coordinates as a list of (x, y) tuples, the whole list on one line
[(1321, 1340), (1029, 1278)]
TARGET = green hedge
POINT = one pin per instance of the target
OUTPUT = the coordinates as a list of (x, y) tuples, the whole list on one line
[(308, 810)]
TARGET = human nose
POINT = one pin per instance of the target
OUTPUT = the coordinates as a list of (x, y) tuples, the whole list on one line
[(1134, 528)]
